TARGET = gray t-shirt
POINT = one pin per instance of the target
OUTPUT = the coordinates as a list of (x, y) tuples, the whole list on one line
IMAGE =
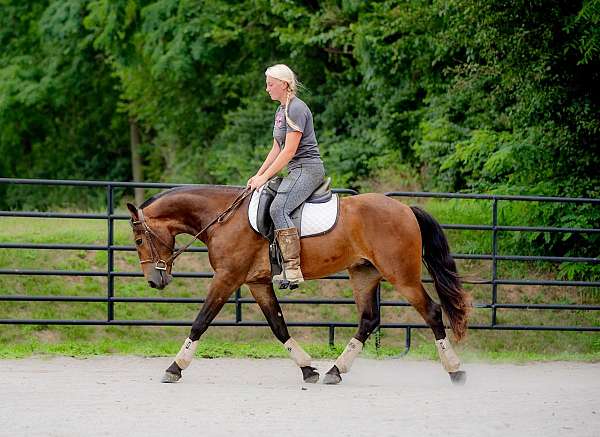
[(308, 149)]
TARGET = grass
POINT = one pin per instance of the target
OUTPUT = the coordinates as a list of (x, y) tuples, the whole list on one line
[(503, 346), (214, 348)]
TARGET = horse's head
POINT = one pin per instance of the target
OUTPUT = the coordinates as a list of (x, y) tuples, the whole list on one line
[(155, 248)]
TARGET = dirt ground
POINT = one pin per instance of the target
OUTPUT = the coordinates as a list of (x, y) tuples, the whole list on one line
[(122, 396)]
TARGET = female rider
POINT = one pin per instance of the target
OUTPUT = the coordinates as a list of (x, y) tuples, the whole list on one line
[(294, 145)]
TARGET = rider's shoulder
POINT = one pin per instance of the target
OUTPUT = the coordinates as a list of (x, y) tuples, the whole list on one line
[(298, 105)]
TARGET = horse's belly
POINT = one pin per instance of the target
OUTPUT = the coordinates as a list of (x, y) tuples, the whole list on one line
[(328, 254)]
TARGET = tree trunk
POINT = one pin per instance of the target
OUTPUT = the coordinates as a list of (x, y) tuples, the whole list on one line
[(136, 160)]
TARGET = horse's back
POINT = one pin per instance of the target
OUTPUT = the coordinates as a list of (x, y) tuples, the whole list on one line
[(382, 221), (371, 207)]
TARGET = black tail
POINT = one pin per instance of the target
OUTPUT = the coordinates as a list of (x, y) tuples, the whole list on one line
[(442, 268)]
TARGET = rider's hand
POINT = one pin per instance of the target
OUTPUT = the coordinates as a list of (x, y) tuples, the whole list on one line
[(256, 182)]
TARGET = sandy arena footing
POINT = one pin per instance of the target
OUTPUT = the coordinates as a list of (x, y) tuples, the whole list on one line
[(122, 396)]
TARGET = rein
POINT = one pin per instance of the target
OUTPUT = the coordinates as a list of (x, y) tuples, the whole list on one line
[(161, 264)]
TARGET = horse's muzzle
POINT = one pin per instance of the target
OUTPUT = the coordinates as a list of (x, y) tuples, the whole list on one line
[(159, 279)]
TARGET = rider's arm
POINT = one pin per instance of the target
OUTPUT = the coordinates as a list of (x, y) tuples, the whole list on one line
[(270, 158), (292, 140)]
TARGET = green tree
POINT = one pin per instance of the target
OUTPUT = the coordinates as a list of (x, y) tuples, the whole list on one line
[(57, 102)]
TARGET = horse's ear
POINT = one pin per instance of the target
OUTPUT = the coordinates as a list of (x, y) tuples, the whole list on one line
[(133, 210)]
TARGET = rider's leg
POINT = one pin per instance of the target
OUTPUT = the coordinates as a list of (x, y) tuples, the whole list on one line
[(295, 188)]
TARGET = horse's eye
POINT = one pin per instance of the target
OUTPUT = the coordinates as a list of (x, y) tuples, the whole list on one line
[(138, 241)]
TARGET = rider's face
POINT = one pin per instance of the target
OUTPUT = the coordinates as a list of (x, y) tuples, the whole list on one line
[(276, 88)]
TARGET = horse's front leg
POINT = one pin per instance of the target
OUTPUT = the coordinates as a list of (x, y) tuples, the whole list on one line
[(221, 287), (265, 297)]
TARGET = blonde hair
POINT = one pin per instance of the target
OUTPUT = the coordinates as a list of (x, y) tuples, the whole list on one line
[(285, 74)]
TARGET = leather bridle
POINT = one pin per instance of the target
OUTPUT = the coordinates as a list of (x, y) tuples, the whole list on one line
[(141, 225)]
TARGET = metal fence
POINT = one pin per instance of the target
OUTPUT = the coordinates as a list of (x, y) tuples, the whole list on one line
[(239, 302)]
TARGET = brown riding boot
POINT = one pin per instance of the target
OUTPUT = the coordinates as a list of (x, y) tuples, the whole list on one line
[(289, 243)]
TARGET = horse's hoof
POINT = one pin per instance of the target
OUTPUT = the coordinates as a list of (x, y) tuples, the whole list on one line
[(459, 377), (169, 377), (293, 285), (310, 374), (333, 376)]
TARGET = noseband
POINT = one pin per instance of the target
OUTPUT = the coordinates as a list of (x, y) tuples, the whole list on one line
[(142, 226)]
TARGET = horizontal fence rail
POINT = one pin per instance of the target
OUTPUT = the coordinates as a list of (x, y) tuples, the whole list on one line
[(238, 301)]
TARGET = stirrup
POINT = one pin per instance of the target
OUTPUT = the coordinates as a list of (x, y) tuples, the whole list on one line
[(283, 282)]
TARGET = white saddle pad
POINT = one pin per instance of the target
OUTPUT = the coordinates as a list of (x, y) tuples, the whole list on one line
[(317, 218)]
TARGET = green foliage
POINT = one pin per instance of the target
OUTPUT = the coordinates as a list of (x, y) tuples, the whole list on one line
[(531, 123), (57, 102), (242, 145)]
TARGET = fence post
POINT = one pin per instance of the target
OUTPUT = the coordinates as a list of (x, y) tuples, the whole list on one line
[(110, 262), (407, 341), (238, 306), (494, 258), (378, 329)]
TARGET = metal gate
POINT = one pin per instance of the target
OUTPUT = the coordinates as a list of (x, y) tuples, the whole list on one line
[(239, 302)]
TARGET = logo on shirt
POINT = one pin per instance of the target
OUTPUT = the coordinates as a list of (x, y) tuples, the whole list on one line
[(280, 120)]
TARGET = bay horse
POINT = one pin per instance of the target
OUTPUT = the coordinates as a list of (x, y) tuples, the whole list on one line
[(375, 238)]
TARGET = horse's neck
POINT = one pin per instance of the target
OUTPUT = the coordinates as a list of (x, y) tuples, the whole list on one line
[(189, 211)]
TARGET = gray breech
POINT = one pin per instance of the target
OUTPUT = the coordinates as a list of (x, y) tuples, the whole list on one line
[(295, 188)]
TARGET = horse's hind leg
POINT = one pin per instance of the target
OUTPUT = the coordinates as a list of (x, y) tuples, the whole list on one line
[(432, 314), (266, 300), (364, 280)]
